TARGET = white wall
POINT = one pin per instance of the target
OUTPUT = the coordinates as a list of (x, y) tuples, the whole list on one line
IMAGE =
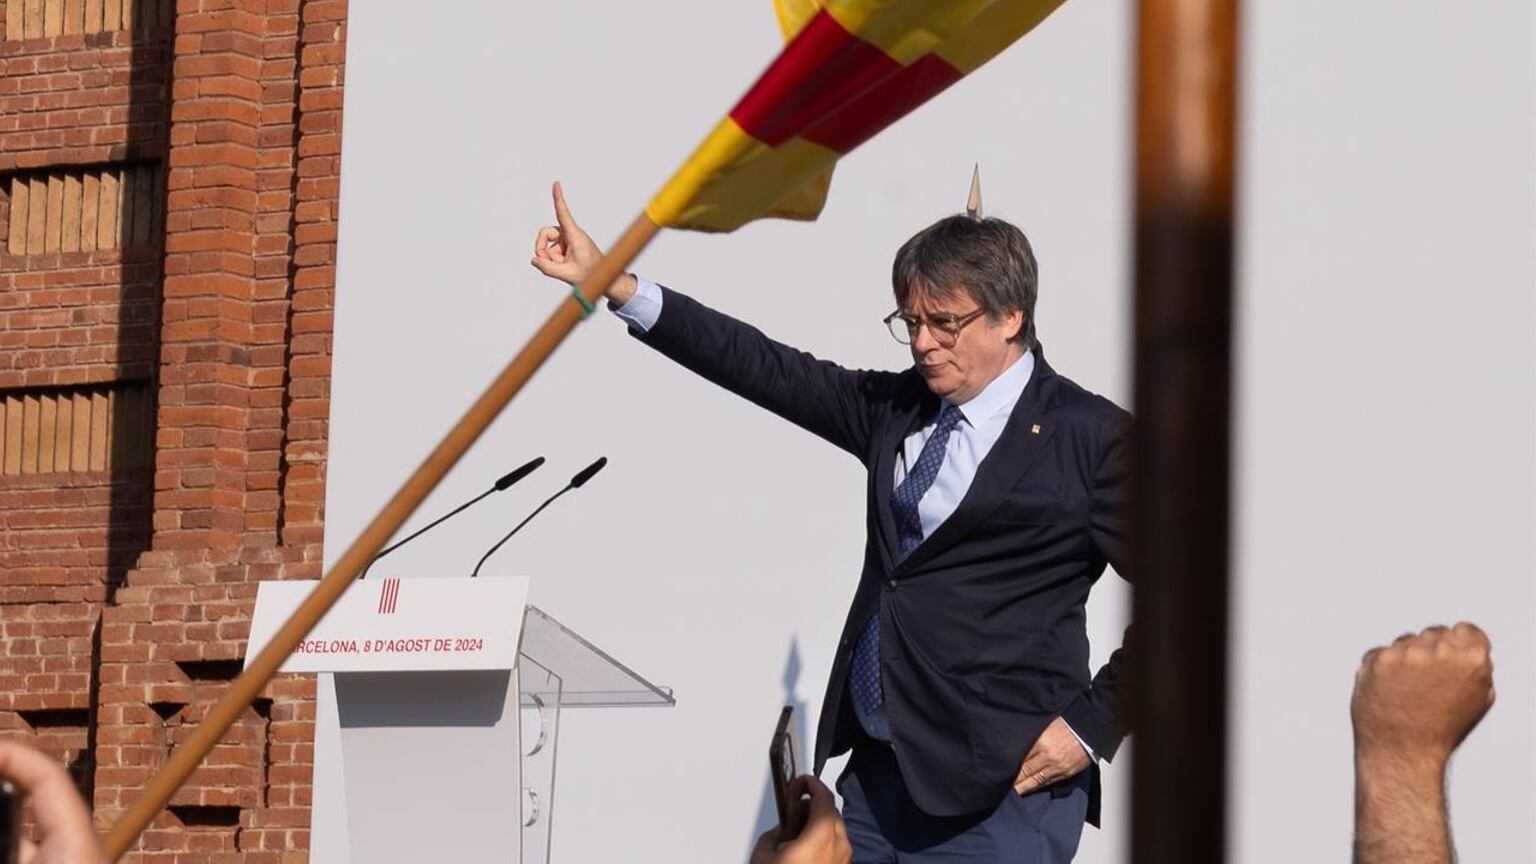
[(1388, 409), (1388, 430)]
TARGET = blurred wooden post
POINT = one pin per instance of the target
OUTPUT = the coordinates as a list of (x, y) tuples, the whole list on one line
[(1185, 98)]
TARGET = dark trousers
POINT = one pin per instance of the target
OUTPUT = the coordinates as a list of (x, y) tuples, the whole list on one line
[(885, 827)]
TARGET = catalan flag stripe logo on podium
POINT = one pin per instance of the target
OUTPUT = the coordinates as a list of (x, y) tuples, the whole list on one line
[(850, 69)]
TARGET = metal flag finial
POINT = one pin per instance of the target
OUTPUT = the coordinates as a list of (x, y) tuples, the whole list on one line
[(973, 204)]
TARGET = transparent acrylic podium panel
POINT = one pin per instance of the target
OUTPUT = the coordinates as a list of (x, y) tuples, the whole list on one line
[(558, 669)]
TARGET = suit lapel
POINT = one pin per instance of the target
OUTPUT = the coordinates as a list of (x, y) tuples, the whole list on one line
[(1028, 430)]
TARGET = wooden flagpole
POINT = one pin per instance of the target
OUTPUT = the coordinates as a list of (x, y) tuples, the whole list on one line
[(245, 688), (1186, 95)]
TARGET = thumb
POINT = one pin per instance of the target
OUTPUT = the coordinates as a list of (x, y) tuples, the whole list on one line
[(822, 806), (557, 270)]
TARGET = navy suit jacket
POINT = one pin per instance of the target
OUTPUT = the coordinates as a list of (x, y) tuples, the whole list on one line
[(982, 627)]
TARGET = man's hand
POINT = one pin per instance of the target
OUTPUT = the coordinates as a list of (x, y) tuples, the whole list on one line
[(823, 840), (1057, 755), (67, 836), (567, 253), (1414, 702), (1419, 697)]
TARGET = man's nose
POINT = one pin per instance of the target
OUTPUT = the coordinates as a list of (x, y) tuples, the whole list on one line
[(923, 340)]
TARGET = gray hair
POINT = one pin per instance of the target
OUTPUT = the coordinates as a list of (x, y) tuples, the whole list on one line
[(988, 258)]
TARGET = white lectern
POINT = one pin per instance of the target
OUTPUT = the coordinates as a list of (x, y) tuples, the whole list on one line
[(438, 714)]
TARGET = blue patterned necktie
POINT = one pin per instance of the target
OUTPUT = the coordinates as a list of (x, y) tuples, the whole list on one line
[(868, 695)]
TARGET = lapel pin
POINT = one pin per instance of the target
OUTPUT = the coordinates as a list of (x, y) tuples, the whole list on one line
[(1035, 429)]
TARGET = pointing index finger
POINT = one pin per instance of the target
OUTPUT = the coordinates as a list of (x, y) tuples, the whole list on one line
[(562, 212)]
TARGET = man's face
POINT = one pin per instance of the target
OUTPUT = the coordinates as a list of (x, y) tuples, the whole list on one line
[(958, 367)]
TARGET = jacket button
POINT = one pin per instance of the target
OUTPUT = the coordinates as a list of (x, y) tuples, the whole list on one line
[(890, 584)]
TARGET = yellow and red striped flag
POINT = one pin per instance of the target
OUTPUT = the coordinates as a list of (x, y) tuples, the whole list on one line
[(850, 69)]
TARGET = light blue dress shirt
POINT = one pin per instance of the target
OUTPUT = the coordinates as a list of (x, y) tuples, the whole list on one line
[(985, 416)]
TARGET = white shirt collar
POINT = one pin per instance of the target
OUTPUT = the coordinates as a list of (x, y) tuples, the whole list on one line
[(1001, 394)]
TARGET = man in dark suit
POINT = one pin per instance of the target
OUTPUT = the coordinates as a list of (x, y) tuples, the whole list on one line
[(995, 492)]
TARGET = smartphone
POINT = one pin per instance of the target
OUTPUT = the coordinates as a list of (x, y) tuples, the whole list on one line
[(10, 823), (782, 769)]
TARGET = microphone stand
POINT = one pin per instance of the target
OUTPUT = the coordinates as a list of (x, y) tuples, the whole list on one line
[(577, 482), (492, 551)]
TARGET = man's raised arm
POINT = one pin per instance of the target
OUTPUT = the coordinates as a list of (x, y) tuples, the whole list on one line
[(819, 396)]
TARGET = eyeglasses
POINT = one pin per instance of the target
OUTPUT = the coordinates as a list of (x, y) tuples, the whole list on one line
[(945, 329)]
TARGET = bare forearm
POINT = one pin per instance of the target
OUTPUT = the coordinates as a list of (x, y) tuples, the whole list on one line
[(1400, 815)]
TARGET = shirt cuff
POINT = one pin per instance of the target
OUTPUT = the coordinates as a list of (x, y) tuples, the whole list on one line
[(644, 308), (1091, 755)]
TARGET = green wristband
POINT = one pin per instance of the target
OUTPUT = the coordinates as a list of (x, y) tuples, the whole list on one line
[(587, 307)]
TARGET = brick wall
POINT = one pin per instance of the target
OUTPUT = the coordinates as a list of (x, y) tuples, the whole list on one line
[(168, 199)]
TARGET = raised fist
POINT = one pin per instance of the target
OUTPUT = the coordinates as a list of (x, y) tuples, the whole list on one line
[(1419, 697)]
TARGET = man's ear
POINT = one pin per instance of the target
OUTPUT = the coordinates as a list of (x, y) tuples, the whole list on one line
[(1016, 321)]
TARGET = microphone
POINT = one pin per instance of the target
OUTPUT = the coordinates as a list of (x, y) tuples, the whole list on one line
[(586, 473), (577, 482), (500, 485)]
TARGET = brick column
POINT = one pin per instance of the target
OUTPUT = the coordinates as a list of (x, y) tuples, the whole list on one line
[(210, 282), (239, 481)]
